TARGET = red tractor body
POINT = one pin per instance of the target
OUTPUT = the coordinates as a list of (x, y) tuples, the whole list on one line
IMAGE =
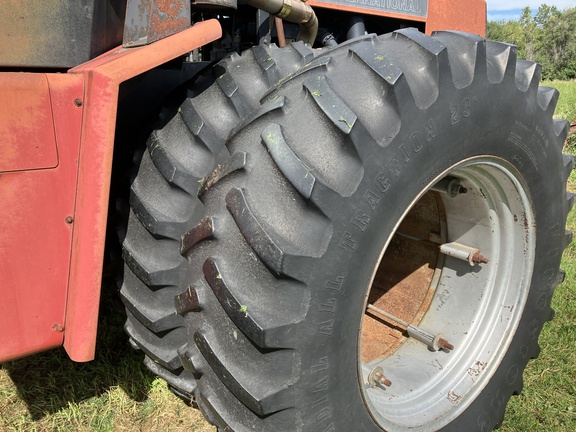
[(56, 161), (55, 172)]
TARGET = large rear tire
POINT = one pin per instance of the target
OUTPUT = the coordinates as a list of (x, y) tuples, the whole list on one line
[(374, 156)]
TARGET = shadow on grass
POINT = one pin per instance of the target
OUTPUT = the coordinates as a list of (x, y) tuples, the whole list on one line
[(50, 381)]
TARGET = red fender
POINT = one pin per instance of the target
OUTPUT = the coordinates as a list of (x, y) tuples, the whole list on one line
[(58, 139)]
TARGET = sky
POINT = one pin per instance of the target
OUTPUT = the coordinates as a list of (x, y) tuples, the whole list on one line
[(511, 9)]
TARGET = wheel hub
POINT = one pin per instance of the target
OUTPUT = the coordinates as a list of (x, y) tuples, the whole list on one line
[(433, 277)]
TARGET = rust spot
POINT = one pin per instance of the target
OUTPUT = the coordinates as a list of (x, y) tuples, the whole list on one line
[(479, 259), (402, 284), (152, 20), (445, 344), (169, 7), (454, 398), (379, 377), (477, 369)]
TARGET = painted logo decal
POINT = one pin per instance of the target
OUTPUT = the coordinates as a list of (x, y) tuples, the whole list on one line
[(406, 7)]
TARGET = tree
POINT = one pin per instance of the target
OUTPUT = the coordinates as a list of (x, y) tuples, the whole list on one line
[(530, 31), (557, 43), (546, 36)]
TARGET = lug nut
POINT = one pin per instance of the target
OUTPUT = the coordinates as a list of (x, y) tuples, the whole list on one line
[(382, 380), (464, 253), (478, 258), (445, 344), (450, 186), (377, 377)]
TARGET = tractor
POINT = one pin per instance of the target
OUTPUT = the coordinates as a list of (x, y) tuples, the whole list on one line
[(323, 215)]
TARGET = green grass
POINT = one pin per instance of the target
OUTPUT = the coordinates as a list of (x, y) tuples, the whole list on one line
[(49, 392), (115, 392), (566, 108)]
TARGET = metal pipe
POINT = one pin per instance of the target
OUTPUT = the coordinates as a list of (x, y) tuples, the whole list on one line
[(280, 30), (464, 253), (295, 11), (356, 27), (435, 342)]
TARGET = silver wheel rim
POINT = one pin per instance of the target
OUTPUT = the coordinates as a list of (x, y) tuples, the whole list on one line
[(476, 309)]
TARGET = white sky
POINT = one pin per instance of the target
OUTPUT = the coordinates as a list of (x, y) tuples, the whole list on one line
[(498, 5)]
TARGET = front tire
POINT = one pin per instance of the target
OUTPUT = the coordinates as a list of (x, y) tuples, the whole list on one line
[(342, 200)]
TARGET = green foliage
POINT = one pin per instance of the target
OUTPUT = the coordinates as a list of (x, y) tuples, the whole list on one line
[(566, 108), (546, 37)]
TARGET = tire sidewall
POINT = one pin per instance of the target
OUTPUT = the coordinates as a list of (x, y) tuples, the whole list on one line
[(495, 120)]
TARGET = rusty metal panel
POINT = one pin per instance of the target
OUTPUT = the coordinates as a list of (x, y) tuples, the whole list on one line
[(35, 225), (150, 20), (404, 7), (28, 140), (452, 15), (58, 33)]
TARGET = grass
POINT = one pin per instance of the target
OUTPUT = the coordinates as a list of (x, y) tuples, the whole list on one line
[(115, 392), (566, 108)]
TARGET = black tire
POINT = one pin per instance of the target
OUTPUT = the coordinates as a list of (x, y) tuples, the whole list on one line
[(281, 266), (164, 204)]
